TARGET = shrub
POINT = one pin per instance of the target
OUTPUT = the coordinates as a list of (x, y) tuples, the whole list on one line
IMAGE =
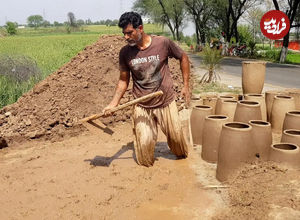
[(11, 28)]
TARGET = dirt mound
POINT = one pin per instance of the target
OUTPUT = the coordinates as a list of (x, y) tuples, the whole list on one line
[(78, 89), (263, 190)]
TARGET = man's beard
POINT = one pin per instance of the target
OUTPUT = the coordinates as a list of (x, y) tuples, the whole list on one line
[(132, 44)]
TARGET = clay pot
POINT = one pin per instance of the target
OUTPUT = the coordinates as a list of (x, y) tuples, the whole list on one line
[(211, 135), (253, 76), (228, 107), (262, 137), (246, 111), (286, 153), (261, 99), (291, 136), (185, 115), (196, 101), (269, 96), (198, 115), (220, 99), (235, 147), (292, 120), (212, 102), (295, 93), (281, 105)]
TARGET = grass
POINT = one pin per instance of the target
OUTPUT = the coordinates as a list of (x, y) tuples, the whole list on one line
[(215, 87), (50, 48)]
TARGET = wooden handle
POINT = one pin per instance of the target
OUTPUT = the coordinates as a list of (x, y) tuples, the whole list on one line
[(120, 107)]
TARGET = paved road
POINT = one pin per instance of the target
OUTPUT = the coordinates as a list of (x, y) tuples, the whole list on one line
[(276, 74)]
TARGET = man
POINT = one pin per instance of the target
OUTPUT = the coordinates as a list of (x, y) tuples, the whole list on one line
[(146, 58)]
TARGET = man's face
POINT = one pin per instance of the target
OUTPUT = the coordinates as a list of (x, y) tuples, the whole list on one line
[(133, 35)]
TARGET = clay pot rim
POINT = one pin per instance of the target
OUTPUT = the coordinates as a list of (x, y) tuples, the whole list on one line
[(260, 123), (283, 97), (196, 98), (214, 117), (246, 127), (289, 132), (279, 92), (202, 107), (253, 103), (294, 113), (250, 61), (226, 96), (295, 147), (254, 95), (233, 101)]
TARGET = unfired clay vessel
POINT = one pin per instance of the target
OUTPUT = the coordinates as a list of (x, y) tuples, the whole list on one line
[(228, 107), (246, 111), (261, 99), (295, 93), (235, 147), (291, 136), (220, 99), (281, 105), (262, 137), (292, 120), (253, 76), (211, 135), (269, 97), (285, 153), (212, 102), (198, 115), (196, 101)]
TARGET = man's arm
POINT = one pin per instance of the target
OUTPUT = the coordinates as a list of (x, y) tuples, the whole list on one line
[(120, 90), (185, 69)]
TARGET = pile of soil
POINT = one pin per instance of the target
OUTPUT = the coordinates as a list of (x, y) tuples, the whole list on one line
[(80, 88), (263, 190)]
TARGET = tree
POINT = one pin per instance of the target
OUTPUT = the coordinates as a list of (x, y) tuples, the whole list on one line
[(11, 28), (72, 19), (80, 22), (290, 7), (200, 11), (166, 12), (35, 21), (253, 17), (46, 23)]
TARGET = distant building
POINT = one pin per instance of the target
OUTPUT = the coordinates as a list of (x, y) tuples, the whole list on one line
[(21, 27)]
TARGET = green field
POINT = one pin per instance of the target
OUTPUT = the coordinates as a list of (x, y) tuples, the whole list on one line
[(50, 48)]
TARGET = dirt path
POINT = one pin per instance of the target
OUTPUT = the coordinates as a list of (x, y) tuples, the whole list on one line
[(93, 177)]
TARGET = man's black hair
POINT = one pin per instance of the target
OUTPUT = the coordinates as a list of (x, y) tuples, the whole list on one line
[(132, 18)]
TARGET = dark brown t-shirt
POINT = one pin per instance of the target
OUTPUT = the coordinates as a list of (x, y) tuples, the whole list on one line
[(150, 71)]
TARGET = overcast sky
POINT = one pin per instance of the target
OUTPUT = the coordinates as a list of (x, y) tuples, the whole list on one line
[(57, 10)]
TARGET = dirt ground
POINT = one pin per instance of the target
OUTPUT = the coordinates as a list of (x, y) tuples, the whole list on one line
[(54, 169)]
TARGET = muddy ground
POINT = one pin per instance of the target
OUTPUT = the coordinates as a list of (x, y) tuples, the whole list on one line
[(53, 169)]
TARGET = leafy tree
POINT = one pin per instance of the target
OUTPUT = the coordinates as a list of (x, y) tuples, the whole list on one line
[(291, 7), (56, 24), (80, 22), (46, 23), (166, 12), (35, 21), (71, 19), (200, 11), (253, 17), (11, 28)]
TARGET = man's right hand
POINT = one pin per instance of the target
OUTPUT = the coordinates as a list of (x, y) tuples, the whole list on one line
[(107, 110)]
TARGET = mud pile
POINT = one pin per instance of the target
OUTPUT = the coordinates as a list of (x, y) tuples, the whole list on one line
[(263, 190), (78, 89)]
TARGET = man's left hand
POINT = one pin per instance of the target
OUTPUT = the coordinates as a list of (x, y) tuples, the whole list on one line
[(185, 92)]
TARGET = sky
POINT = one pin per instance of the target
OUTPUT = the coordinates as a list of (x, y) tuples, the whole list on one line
[(57, 10)]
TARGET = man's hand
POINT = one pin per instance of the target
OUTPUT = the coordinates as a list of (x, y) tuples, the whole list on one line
[(106, 110), (185, 92)]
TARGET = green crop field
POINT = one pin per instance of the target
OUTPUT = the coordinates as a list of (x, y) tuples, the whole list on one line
[(50, 48)]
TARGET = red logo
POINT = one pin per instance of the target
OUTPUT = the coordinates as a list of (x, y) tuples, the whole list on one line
[(274, 24)]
